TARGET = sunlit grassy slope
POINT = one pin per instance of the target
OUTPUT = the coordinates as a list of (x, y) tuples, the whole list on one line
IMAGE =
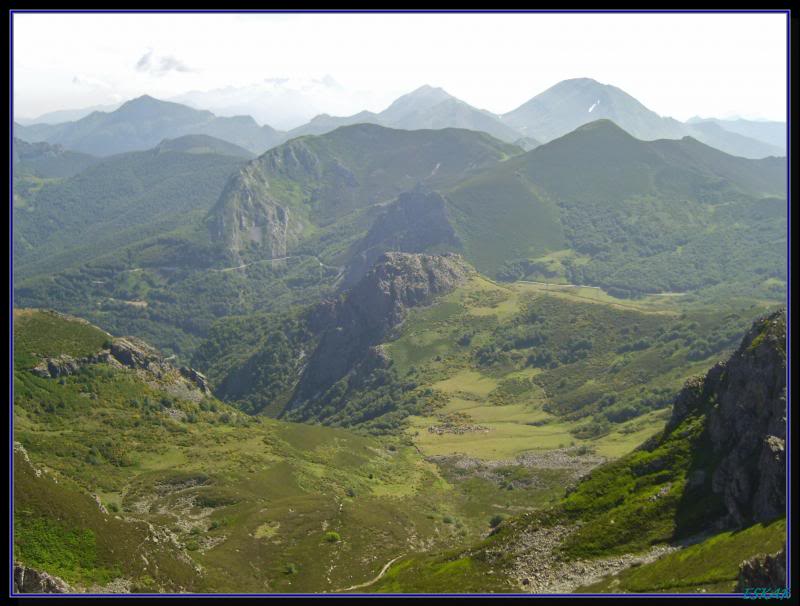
[(236, 503), (536, 366)]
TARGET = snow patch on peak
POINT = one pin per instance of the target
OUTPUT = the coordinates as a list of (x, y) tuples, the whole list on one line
[(595, 104)]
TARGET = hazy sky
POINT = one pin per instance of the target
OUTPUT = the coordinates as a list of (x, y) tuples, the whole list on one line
[(288, 66)]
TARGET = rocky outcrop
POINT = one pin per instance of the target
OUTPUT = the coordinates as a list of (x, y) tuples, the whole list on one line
[(744, 402), (196, 377), (365, 316), (247, 217), (30, 580), (765, 571), (416, 222), (64, 365), (250, 217), (124, 352), (135, 353)]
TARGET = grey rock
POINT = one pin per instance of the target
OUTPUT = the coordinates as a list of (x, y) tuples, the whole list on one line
[(744, 402), (763, 571), (415, 222), (196, 377), (30, 580), (365, 316)]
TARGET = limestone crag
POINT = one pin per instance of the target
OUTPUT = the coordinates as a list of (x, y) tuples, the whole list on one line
[(744, 400), (125, 352), (417, 221), (365, 316), (30, 580), (765, 571)]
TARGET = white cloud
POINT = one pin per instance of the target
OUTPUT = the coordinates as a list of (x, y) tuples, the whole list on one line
[(159, 65)]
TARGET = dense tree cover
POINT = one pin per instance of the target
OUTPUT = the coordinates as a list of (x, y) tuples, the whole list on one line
[(121, 201), (254, 362), (376, 401), (655, 245)]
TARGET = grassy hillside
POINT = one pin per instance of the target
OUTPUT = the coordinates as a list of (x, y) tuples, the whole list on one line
[(493, 370), (121, 201), (709, 566), (230, 502), (651, 520), (596, 207), (642, 217)]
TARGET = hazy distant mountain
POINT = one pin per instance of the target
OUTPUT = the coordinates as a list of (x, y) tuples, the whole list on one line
[(424, 108), (284, 102), (324, 123), (204, 144), (143, 122), (67, 115), (47, 161), (716, 135), (572, 103), (772, 133)]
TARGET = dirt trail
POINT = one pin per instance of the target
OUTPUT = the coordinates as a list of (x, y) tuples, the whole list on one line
[(377, 578)]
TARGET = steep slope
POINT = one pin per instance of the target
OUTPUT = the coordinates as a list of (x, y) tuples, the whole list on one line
[(47, 161), (424, 108), (309, 183), (154, 486), (142, 123), (417, 221), (639, 214), (685, 483), (352, 326), (304, 365), (572, 103), (124, 199)]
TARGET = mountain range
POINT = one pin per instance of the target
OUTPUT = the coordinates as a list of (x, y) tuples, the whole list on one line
[(143, 122), (430, 349), (596, 207)]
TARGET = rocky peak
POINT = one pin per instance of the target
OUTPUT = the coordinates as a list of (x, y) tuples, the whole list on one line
[(744, 402), (417, 221), (365, 316), (125, 352), (398, 281)]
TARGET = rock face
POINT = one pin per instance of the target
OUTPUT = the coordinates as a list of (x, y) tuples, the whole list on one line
[(124, 352), (744, 400), (64, 365), (29, 580), (417, 221), (198, 378), (364, 317), (247, 217), (763, 571)]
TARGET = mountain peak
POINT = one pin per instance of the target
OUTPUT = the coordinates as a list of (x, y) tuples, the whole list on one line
[(141, 100), (601, 125), (424, 97), (427, 89)]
